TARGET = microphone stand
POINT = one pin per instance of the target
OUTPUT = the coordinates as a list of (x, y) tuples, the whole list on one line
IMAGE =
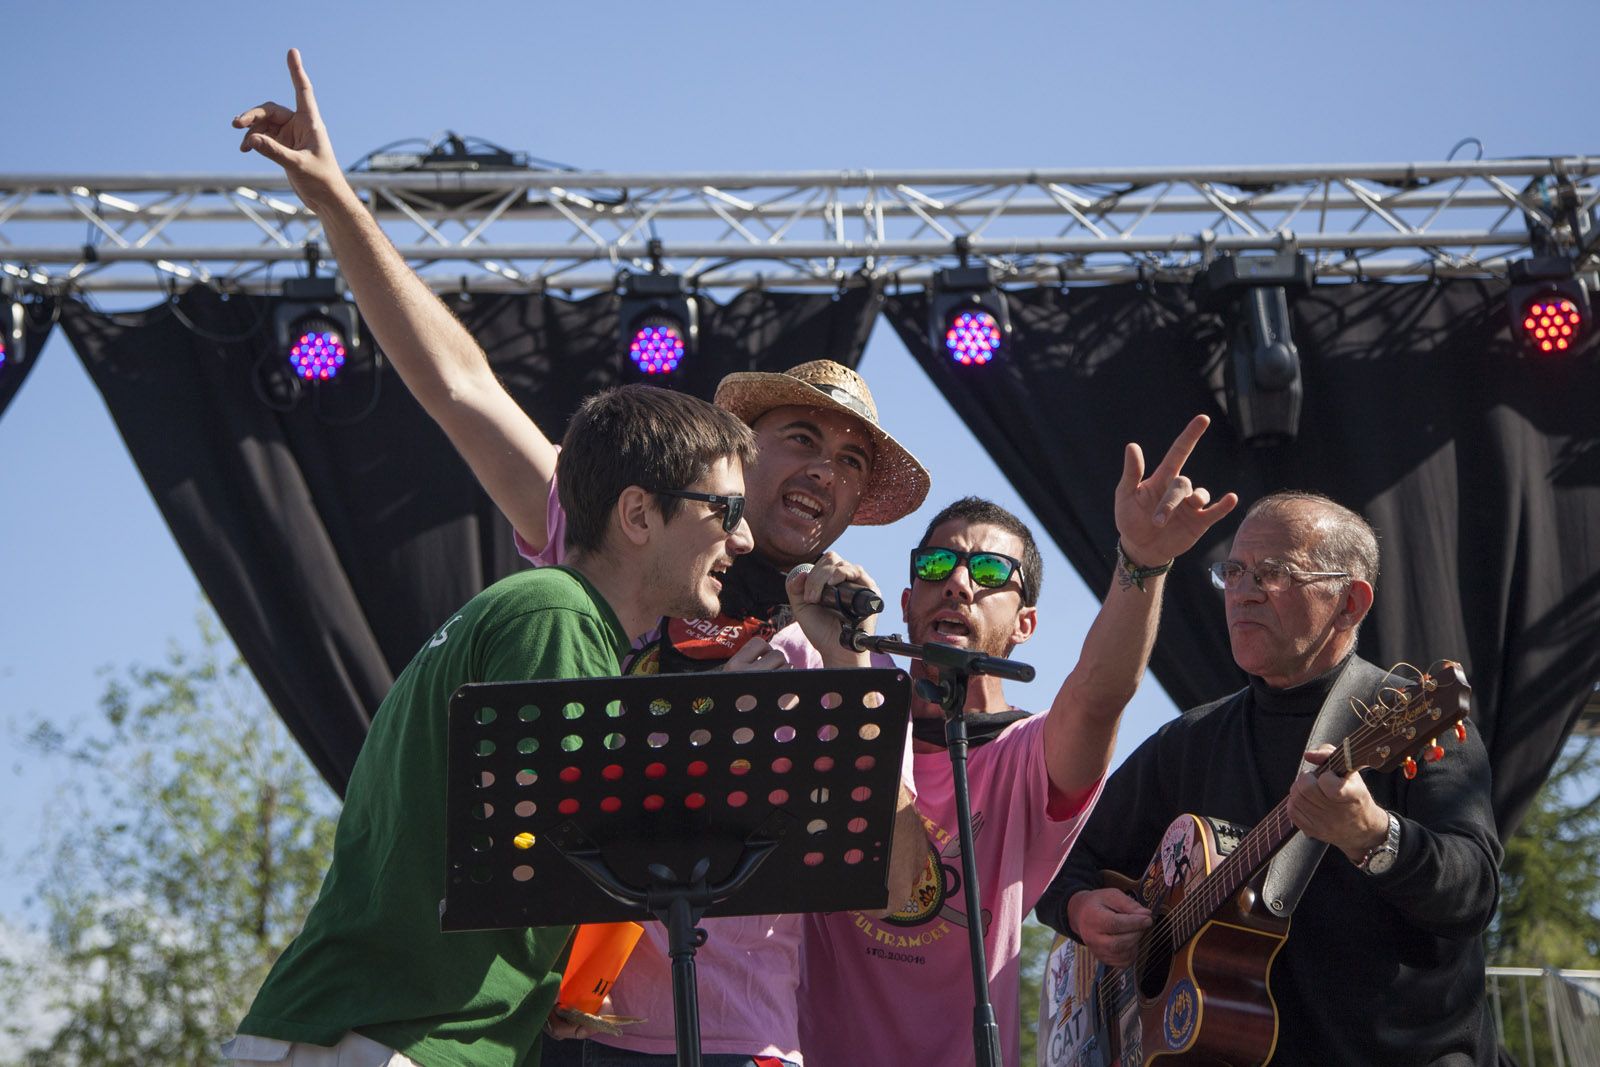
[(954, 668)]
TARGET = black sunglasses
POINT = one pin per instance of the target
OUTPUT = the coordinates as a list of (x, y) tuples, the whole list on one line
[(732, 505), (988, 569)]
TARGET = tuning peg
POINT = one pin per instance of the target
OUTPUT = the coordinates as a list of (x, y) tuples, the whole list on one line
[(1434, 751), (1409, 767), (1461, 731)]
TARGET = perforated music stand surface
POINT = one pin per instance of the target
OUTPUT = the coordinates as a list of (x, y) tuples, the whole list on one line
[(668, 769)]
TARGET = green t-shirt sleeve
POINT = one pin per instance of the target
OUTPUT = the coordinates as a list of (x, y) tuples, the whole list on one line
[(549, 642)]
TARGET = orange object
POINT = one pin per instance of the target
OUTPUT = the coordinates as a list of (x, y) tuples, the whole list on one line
[(1409, 767), (598, 952), (1461, 731)]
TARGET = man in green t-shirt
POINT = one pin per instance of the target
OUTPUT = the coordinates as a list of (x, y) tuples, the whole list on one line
[(652, 483)]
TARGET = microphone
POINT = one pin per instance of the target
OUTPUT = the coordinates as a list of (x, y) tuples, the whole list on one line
[(854, 602)]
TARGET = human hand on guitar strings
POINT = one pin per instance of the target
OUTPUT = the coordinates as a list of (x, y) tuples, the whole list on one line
[(1109, 924), (1337, 810), (1162, 516)]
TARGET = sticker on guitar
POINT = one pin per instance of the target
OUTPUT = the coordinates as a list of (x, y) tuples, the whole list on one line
[(1175, 849)]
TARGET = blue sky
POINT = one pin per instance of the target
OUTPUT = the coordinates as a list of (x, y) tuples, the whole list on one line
[(90, 576)]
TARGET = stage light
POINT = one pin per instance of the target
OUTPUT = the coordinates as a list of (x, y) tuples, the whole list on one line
[(318, 352), (1262, 372), (449, 155), (660, 322), (1551, 322), (969, 320), (1548, 305), (973, 337), (13, 341), (317, 330), (657, 346)]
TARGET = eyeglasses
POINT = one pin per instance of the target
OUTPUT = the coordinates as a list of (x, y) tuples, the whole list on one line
[(988, 569), (732, 505), (1270, 575)]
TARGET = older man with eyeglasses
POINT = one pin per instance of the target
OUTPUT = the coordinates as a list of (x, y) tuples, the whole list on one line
[(1383, 962)]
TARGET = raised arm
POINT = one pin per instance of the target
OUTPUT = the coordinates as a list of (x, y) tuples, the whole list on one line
[(1158, 518), (437, 358)]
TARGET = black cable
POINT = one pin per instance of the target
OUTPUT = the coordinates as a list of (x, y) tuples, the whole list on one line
[(220, 338), (372, 401)]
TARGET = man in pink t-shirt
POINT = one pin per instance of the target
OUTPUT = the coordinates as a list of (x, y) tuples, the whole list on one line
[(897, 989)]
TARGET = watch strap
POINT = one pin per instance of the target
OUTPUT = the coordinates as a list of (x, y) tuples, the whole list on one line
[(1389, 846)]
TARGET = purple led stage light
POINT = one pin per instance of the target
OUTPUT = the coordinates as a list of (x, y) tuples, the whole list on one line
[(973, 338), (657, 345), (318, 354)]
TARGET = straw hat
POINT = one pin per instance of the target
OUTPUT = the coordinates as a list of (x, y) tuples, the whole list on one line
[(899, 483)]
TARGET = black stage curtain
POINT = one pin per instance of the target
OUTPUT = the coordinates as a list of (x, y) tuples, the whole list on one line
[(334, 535), (1479, 467), (38, 318)]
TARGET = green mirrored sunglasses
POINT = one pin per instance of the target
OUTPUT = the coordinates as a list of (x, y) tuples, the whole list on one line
[(988, 569)]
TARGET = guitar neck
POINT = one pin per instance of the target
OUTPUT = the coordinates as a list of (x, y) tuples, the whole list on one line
[(1246, 860)]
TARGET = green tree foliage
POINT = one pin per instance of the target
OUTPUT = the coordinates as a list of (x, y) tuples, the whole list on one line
[(1036, 941), (1549, 881), (1549, 912), (194, 841)]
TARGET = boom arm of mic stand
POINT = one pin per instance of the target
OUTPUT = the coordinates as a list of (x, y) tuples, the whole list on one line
[(936, 654)]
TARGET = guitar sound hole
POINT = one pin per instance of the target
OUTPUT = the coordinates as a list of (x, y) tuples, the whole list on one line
[(1153, 972)]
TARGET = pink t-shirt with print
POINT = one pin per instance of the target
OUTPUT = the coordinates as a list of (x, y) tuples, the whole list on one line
[(904, 983)]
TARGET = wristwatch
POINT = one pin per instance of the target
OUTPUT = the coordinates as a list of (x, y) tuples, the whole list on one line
[(1381, 858)]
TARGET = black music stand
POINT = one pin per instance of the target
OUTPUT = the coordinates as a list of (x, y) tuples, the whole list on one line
[(665, 796)]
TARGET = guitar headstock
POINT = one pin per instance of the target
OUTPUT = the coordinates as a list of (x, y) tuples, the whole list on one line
[(1408, 719)]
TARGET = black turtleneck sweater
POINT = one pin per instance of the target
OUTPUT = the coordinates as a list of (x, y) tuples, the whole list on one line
[(1377, 969)]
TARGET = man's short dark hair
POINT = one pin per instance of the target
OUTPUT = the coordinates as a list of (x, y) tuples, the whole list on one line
[(639, 435), (973, 510)]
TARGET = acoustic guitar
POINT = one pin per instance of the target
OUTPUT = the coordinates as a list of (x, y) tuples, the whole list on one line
[(1198, 989)]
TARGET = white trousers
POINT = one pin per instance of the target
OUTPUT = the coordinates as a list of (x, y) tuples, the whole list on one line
[(353, 1051)]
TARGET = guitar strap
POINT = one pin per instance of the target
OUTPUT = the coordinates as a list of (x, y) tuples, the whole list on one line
[(1291, 869)]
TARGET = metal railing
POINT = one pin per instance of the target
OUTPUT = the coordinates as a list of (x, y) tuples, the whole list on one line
[(1547, 1016)]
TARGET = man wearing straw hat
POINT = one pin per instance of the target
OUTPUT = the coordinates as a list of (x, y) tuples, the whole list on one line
[(822, 463)]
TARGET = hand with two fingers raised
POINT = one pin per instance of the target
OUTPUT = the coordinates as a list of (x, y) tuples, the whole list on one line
[(1161, 516)]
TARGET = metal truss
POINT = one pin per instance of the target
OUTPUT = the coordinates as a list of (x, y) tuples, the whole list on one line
[(523, 229)]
